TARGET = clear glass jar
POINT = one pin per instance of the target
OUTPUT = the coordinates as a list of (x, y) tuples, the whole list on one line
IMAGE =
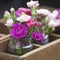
[(15, 47), (42, 42), (45, 41), (26, 45), (20, 46)]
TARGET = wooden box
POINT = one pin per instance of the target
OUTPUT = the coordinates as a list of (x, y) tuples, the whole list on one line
[(3, 30), (50, 51)]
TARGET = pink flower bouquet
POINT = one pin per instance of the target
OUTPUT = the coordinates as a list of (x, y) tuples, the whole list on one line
[(26, 24)]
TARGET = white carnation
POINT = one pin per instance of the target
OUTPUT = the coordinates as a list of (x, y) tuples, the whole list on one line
[(43, 11), (53, 15), (23, 18), (33, 3), (47, 18), (55, 12), (9, 22), (53, 23)]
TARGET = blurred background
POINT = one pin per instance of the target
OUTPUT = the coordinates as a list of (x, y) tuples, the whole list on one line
[(7, 4)]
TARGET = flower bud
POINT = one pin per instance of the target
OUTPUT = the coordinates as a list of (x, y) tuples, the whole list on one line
[(7, 15), (12, 10)]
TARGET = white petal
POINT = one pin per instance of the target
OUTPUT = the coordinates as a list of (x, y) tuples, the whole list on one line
[(23, 18), (20, 19), (58, 21), (46, 36), (53, 23), (54, 14), (33, 3), (9, 22), (47, 18), (43, 11)]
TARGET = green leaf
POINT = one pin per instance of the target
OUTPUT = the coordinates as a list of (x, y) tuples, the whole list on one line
[(49, 30), (36, 28), (43, 27), (9, 27), (30, 30), (7, 16), (18, 51), (43, 21), (14, 41)]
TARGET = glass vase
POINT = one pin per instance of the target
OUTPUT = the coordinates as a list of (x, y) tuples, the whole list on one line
[(26, 45), (20, 46), (15, 47), (45, 40), (42, 42)]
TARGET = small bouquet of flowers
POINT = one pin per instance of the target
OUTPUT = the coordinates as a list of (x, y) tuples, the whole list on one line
[(29, 24), (54, 19)]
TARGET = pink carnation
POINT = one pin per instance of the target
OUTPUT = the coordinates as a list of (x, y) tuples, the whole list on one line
[(18, 31), (30, 23), (24, 10), (37, 36), (39, 24)]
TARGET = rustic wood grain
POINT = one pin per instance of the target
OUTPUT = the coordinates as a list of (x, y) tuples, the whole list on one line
[(4, 37)]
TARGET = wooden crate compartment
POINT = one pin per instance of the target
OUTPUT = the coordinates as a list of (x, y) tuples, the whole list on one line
[(4, 36), (3, 30), (1, 35), (4, 44), (50, 51)]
